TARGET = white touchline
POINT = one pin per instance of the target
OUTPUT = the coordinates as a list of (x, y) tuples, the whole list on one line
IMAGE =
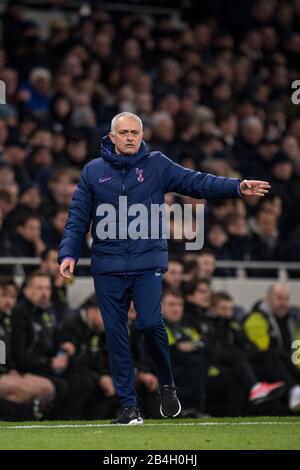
[(62, 426)]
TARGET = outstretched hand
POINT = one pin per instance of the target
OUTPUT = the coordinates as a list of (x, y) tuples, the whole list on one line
[(254, 187)]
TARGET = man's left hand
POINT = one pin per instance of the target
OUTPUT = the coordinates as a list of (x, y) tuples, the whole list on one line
[(254, 187)]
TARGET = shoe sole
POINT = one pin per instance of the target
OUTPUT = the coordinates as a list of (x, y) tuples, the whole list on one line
[(274, 395), (170, 416), (133, 422)]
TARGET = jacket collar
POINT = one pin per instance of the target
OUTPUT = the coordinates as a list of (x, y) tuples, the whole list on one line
[(119, 161)]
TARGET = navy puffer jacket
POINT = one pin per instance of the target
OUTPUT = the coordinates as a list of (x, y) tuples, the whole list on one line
[(144, 178)]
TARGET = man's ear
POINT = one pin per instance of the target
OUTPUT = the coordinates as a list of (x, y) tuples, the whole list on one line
[(112, 137)]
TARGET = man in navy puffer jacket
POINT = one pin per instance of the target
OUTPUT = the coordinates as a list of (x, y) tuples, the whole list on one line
[(127, 268)]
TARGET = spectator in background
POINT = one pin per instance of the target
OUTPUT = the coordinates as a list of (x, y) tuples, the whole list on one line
[(290, 145), (30, 198), (61, 187), (246, 147), (59, 299), (40, 165), (29, 202), (54, 229), (174, 276), (229, 347), (86, 334), (286, 185), (27, 241), (52, 234), (7, 175), (7, 204), (61, 110), (36, 92), (197, 296), (267, 149), (163, 133), (271, 327), (36, 347), (240, 106), (238, 245), (215, 240), (3, 134), (22, 396), (265, 236), (41, 136), (27, 124), (207, 264), (236, 116), (176, 242), (76, 151), (190, 270), (15, 154), (220, 209), (59, 146)]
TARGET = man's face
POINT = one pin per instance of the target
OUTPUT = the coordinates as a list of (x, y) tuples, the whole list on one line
[(63, 190), (31, 230), (127, 136), (39, 291), (172, 308), (31, 198), (59, 220), (267, 222), (201, 296), (223, 309), (238, 228), (8, 296), (174, 274), (7, 176), (16, 155), (207, 264), (279, 301), (77, 150), (50, 264)]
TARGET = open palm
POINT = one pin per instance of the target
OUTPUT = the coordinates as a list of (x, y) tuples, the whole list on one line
[(254, 187)]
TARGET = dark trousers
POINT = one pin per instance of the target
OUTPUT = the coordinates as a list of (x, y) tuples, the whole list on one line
[(114, 294)]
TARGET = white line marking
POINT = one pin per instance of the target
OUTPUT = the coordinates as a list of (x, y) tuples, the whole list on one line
[(89, 425)]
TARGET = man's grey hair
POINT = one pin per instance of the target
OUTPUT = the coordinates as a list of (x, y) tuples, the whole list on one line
[(39, 72), (118, 116)]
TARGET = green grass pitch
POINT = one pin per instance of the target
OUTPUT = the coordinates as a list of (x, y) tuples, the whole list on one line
[(177, 434)]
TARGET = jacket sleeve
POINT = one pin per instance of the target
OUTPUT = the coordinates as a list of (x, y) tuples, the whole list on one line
[(79, 219), (176, 178)]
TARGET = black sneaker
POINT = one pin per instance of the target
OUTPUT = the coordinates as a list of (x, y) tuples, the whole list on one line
[(170, 405), (129, 415)]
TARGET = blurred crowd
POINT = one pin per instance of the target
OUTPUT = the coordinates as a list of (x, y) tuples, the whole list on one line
[(214, 93), (213, 96), (226, 361)]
